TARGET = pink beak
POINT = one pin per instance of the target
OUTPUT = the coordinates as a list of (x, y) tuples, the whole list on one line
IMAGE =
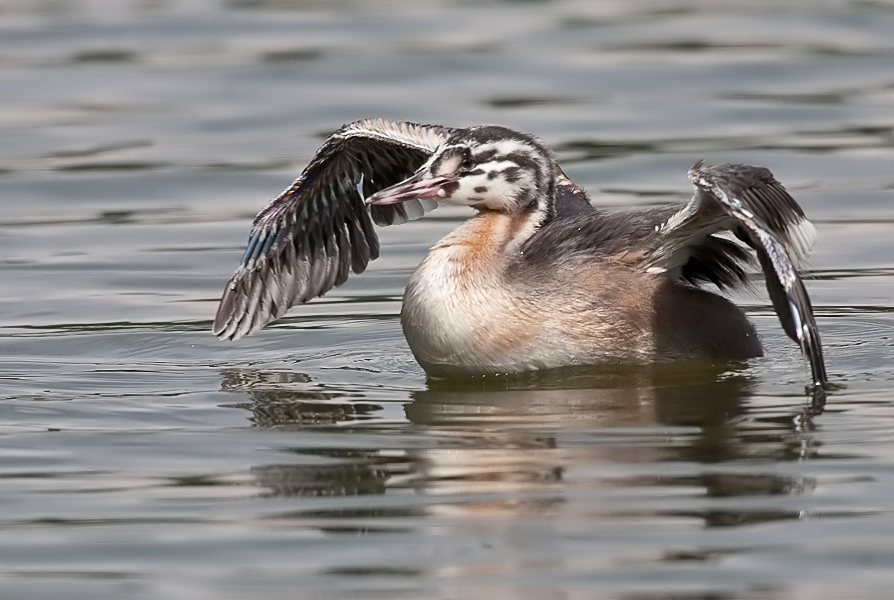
[(410, 189)]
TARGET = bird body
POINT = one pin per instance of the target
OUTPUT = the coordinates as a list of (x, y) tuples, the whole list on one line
[(477, 304), (538, 278)]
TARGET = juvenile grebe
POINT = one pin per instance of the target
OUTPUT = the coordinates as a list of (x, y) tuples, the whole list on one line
[(538, 278)]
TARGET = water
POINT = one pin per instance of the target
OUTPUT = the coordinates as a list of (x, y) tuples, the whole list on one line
[(141, 458)]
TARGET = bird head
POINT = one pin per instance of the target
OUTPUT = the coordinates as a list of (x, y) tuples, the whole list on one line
[(486, 167)]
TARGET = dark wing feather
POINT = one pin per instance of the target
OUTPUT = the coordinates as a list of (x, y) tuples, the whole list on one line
[(749, 202), (717, 260), (308, 239)]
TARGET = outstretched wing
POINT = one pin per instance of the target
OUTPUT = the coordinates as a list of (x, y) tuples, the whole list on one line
[(305, 241), (749, 202)]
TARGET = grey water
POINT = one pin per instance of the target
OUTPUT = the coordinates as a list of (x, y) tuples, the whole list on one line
[(142, 458)]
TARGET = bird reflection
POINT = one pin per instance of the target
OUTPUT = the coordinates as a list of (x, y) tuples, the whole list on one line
[(620, 396), (519, 424), (505, 445)]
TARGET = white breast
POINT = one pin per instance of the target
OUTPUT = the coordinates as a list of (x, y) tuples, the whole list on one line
[(459, 313)]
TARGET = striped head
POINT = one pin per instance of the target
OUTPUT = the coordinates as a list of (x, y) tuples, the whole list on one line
[(486, 167)]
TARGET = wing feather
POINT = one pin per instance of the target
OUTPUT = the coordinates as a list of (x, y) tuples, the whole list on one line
[(749, 202), (308, 239)]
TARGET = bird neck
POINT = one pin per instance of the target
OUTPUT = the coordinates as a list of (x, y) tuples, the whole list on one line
[(487, 239)]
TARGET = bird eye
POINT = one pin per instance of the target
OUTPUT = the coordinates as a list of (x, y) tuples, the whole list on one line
[(467, 163)]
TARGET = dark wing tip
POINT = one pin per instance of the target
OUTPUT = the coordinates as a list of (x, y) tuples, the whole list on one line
[(806, 333), (224, 312), (241, 311), (791, 302), (769, 220)]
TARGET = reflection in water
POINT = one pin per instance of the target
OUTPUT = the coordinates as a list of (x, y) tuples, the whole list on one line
[(351, 479), (621, 396), (517, 426), (504, 445), (282, 398), (286, 399)]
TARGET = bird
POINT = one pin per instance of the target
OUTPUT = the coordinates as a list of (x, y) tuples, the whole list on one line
[(538, 278)]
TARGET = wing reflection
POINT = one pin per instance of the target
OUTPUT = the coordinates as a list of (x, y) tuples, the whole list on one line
[(284, 398)]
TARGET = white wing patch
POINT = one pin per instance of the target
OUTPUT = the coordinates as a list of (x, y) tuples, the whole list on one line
[(423, 138)]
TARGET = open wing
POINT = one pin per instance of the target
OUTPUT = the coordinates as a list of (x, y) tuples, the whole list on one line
[(749, 202), (305, 241)]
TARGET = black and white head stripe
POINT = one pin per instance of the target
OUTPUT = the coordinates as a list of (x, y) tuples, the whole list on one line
[(749, 202), (497, 168), (307, 239)]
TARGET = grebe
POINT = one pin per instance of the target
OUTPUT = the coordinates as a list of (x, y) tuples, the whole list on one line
[(538, 278)]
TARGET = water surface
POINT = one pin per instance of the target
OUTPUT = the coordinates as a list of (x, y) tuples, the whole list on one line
[(142, 458)]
